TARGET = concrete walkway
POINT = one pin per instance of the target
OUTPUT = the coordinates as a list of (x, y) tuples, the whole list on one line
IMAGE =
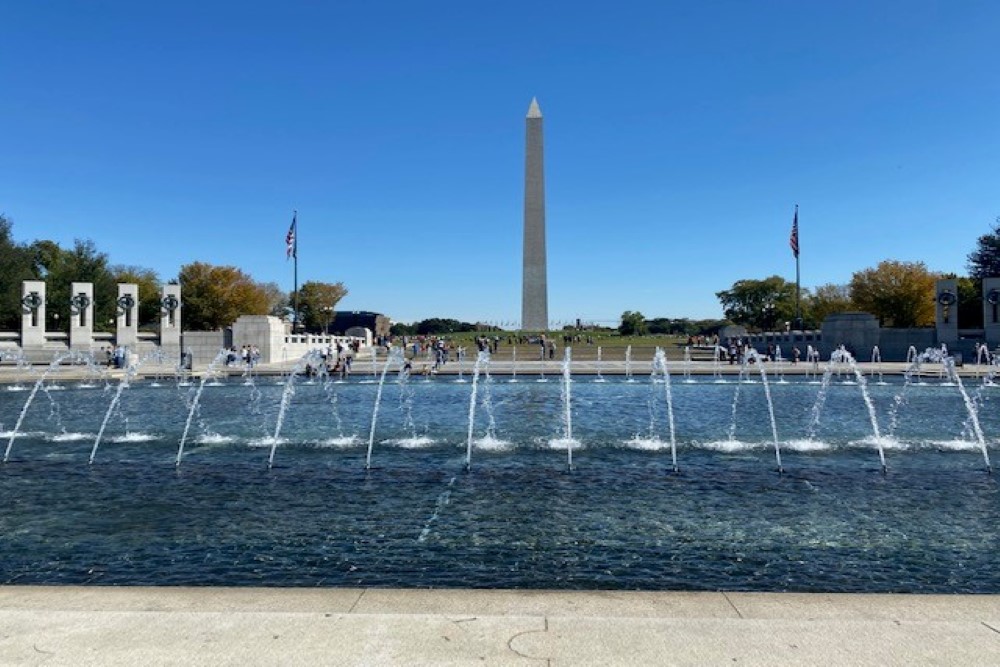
[(254, 626)]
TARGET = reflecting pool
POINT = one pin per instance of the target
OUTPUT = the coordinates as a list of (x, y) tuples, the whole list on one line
[(518, 518)]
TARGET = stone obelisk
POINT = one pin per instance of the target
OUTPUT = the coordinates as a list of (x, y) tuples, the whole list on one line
[(534, 291)]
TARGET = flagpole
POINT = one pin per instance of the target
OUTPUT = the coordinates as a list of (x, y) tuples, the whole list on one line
[(798, 287), (295, 258)]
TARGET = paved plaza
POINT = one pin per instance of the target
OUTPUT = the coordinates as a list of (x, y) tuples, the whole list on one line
[(259, 626)]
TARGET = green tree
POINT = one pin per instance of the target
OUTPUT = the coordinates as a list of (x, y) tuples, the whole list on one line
[(984, 261), (633, 324), (82, 263), (970, 301), (436, 326), (277, 300), (665, 325), (760, 304), (149, 291), (317, 301), (899, 294), (827, 300), (215, 296), (16, 265), (401, 329)]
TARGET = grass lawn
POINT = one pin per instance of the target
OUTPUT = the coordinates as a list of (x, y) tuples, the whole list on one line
[(612, 346)]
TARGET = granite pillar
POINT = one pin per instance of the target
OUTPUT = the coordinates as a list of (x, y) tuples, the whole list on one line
[(170, 318), (81, 317), (991, 311), (946, 311), (32, 314), (127, 320)]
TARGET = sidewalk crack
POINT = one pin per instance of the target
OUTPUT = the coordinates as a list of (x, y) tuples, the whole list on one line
[(351, 610), (735, 608), (544, 630)]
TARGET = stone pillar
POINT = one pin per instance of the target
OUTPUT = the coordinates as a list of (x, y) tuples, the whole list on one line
[(32, 314), (81, 317), (127, 321), (170, 318), (991, 311), (946, 311)]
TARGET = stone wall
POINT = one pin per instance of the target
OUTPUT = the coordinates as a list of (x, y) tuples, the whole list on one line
[(894, 343), (204, 346), (857, 332), (270, 336)]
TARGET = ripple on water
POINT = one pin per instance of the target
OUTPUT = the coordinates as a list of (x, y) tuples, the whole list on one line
[(492, 444), (806, 445), (415, 442), (564, 443), (340, 441), (266, 441), (734, 446), (955, 445), (886, 442), (214, 439), (134, 437), (71, 437), (646, 444)]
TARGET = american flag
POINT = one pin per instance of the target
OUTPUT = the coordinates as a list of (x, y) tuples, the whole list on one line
[(290, 245), (793, 239)]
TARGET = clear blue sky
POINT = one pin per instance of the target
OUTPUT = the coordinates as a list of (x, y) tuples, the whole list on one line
[(679, 136)]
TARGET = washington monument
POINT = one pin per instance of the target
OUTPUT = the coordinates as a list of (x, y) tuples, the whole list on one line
[(534, 291)]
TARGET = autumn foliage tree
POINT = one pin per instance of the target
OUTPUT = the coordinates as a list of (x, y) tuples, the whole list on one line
[(899, 294), (215, 296), (827, 300)]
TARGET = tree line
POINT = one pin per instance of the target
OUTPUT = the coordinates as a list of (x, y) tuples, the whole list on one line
[(900, 294), (212, 296)]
